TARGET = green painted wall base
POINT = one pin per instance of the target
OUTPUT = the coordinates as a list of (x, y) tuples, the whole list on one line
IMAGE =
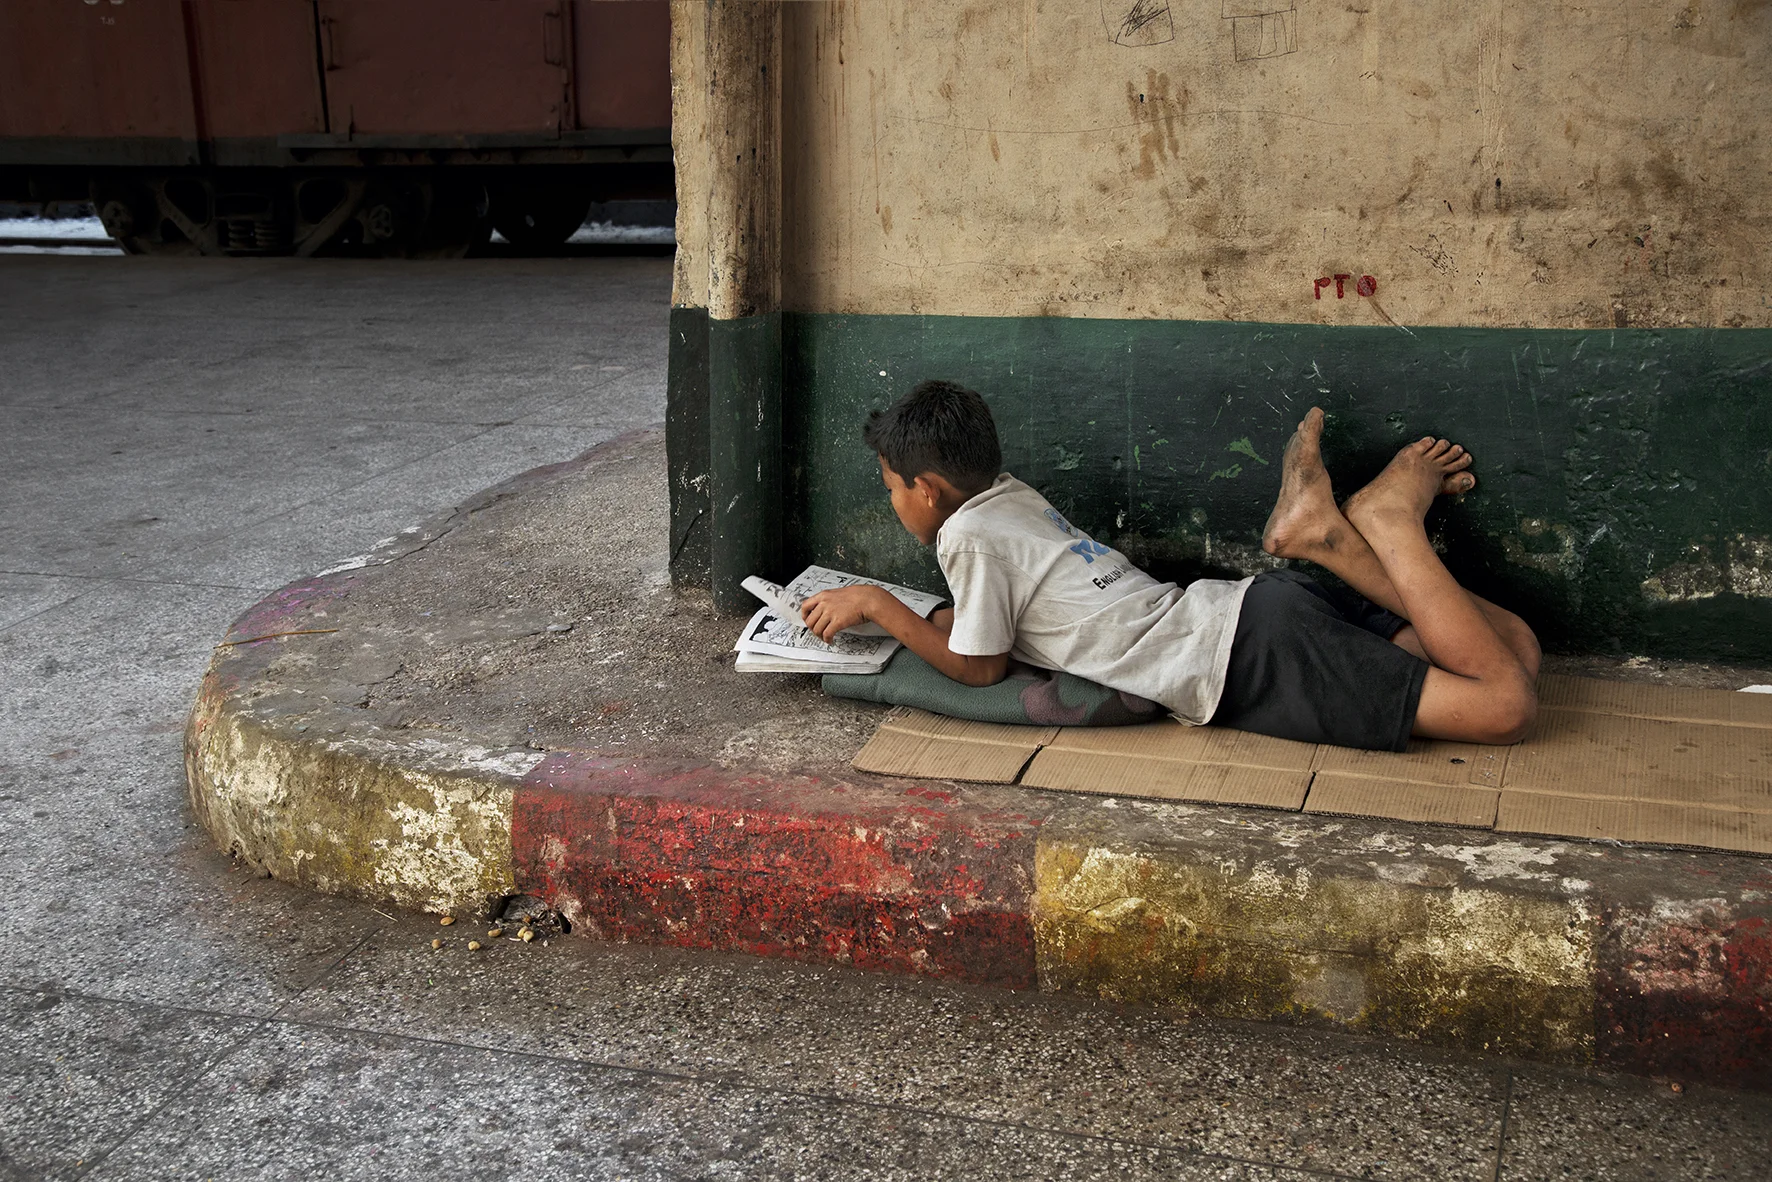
[(745, 510), (686, 447), (1625, 503)]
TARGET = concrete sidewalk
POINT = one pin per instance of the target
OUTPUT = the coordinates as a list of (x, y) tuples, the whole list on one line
[(180, 440), (511, 708)]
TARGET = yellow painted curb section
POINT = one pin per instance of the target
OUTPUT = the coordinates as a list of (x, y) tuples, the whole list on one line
[(333, 817), (1468, 967)]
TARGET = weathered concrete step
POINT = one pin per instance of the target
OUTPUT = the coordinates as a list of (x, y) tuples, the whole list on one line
[(1653, 961)]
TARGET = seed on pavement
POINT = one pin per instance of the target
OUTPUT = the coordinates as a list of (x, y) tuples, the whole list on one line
[(527, 934), (436, 943), (494, 933), (447, 920), (473, 945)]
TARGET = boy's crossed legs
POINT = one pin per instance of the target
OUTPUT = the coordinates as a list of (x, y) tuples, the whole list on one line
[(1481, 684)]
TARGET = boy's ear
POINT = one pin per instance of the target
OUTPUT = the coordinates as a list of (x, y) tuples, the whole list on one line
[(927, 489)]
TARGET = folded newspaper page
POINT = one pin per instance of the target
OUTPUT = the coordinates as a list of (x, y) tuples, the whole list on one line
[(776, 641)]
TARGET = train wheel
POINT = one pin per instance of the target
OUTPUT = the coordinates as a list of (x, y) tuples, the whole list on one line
[(118, 215), (539, 216), (156, 217), (424, 220), (461, 219)]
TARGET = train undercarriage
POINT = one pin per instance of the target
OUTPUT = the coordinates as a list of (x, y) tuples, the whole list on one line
[(400, 213)]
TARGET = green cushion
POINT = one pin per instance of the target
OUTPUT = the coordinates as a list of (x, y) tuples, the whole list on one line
[(1027, 696)]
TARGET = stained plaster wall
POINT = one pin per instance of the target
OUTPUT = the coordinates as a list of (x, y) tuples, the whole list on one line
[(1018, 159), (1553, 223)]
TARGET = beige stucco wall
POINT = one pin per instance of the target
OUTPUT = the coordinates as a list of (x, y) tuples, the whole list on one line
[(1010, 157)]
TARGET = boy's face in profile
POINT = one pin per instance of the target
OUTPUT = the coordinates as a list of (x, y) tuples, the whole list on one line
[(918, 503)]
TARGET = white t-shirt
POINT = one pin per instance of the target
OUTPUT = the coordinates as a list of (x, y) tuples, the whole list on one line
[(1027, 582)]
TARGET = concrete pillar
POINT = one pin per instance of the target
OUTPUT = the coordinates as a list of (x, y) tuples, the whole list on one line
[(743, 128)]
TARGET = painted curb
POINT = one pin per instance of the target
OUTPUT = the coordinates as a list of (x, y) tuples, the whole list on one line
[(1651, 961)]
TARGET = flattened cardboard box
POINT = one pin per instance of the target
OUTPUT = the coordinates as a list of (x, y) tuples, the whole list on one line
[(1434, 782), (1611, 760), (1169, 761), (932, 747)]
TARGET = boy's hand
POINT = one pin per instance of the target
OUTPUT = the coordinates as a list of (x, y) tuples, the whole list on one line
[(829, 612)]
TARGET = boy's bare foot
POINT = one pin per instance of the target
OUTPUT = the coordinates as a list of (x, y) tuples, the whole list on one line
[(1410, 482), (1305, 521)]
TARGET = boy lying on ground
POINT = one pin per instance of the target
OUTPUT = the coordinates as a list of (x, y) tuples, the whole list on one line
[(1276, 654)]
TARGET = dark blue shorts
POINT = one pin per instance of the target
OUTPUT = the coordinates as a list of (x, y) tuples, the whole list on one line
[(1316, 664)]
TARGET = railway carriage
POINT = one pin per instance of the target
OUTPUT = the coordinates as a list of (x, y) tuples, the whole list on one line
[(397, 127)]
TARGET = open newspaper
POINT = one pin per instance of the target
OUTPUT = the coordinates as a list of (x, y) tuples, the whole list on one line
[(776, 641)]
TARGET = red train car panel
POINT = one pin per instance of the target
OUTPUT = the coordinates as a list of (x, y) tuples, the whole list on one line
[(622, 58), (257, 71), (74, 69), (456, 67)]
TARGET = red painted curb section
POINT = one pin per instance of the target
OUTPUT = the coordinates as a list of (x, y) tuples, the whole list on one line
[(1686, 992), (911, 880), (899, 881)]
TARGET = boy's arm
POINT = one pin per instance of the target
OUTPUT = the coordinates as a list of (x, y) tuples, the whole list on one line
[(829, 612)]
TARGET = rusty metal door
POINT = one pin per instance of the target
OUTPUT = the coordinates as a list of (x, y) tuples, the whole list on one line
[(454, 68)]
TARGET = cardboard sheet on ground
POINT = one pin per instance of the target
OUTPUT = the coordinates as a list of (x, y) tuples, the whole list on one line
[(1607, 760)]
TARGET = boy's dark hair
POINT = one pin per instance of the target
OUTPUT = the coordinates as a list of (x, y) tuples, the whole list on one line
[(940, 427)]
